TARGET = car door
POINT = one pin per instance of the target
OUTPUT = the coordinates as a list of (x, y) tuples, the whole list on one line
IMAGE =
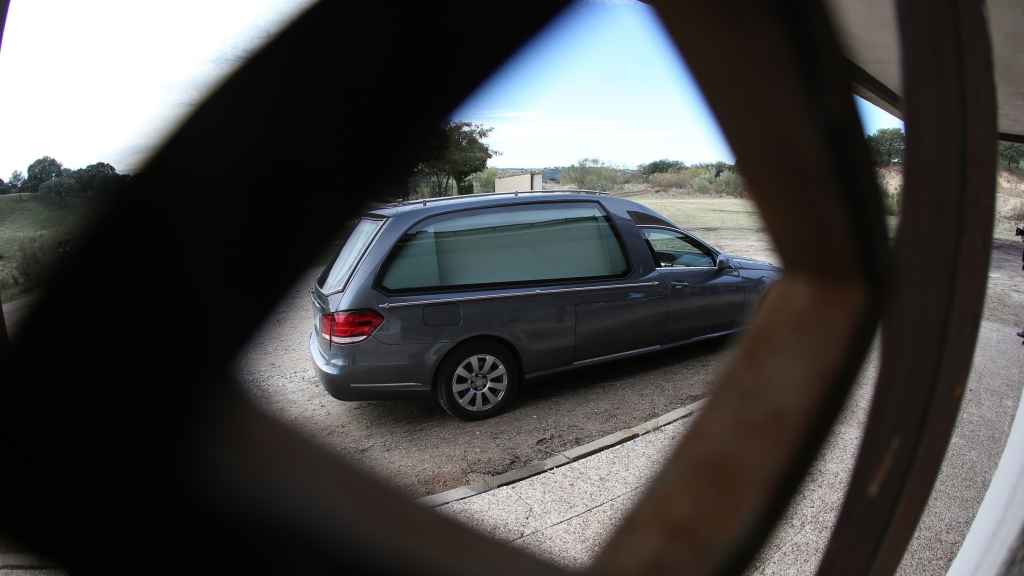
[(618, 313), (703, 299)]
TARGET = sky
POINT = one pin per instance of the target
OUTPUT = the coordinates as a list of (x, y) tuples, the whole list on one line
[(604, 81), (108, 80)]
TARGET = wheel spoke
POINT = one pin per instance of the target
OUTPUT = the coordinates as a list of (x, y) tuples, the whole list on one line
[(490, 396), (478, 379)]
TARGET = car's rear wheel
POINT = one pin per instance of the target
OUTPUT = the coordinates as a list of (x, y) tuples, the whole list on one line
[(477, 380)]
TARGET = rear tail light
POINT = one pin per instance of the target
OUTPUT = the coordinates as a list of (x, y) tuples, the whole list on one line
[(349, 327)]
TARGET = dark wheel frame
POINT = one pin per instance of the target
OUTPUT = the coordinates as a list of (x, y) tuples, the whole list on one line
[(462, 357), (105, 449)]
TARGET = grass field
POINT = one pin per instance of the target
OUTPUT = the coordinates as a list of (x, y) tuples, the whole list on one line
[(27, 219), (732, 224)]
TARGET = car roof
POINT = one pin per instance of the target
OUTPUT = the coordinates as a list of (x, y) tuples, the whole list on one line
[(448, 203)]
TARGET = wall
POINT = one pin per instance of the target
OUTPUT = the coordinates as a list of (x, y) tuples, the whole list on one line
[(521, 182)]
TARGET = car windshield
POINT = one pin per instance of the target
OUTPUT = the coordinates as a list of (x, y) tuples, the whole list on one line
[(354, 248)]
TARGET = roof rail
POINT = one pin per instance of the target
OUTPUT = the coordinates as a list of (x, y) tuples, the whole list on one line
[(425, 201)]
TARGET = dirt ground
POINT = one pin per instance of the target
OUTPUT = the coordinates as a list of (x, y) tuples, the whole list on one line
[(415, 445), (420, 448), (735, 226)]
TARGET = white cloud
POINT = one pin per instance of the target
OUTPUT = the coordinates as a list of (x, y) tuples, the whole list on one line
[(106, 80), (546, 141)]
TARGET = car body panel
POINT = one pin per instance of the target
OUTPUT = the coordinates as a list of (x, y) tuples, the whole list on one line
[(550, 325)]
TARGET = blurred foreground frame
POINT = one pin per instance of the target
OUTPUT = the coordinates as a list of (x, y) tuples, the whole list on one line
[(128, 444)]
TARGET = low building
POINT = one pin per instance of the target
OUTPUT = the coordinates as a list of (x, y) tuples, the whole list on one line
[(520, 183)]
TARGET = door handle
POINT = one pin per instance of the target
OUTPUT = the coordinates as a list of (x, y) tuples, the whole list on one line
[(680, 284)]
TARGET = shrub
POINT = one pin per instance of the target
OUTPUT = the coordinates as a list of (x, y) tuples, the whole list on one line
[(703, 185), (661, 167), (59, 188), (483, 181), (700, 181), (730, 184), (680, 179), (36, 255), (592, 174)]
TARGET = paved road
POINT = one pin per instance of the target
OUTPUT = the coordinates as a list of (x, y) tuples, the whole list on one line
[(568, 513)]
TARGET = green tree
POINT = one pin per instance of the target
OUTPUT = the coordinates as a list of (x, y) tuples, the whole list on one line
[(59, 188), (457, 151), (592, 174), (97, 178), (887, 145), (1011, 155), (661, 166), (483, 181), (17, 178), (41, 171)]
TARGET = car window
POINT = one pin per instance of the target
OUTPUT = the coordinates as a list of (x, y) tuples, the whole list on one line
[(509, 244), (672, 249), (354, 248)]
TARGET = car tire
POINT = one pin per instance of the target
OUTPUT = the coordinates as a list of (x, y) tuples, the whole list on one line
[(477, 380)]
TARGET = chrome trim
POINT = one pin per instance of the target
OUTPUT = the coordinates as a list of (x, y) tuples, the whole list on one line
[(616, 355), (389, 385), (513, 193), (355, 269), (536, 292), (714, 249), (638, 352)]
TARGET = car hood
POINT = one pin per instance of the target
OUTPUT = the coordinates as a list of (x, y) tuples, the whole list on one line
[(751, 264)]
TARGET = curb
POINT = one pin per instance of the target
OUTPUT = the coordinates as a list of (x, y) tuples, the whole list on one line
[(561, 459), (10, 561)]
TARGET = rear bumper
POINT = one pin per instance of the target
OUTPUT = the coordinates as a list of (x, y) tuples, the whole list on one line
[(346, 381)]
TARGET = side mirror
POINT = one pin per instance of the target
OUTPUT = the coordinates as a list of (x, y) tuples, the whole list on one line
[(723, 263)]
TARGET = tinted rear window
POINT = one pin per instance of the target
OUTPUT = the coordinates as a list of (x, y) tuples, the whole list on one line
[(350, 254), (508, 244), (645, 219)]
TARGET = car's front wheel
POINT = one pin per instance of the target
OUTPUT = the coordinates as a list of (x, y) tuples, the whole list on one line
[(477, 380)]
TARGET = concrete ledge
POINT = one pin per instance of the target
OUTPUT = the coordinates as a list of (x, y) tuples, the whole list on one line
[(561, 458), (435, 500)]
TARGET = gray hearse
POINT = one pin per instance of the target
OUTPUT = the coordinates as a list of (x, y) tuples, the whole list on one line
[(464, 297)]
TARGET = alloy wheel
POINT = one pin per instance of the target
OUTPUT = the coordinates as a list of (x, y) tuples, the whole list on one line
[(479, 382)]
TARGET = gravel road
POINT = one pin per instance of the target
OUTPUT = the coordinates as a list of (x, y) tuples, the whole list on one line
[(417, 446), (422, 449)]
